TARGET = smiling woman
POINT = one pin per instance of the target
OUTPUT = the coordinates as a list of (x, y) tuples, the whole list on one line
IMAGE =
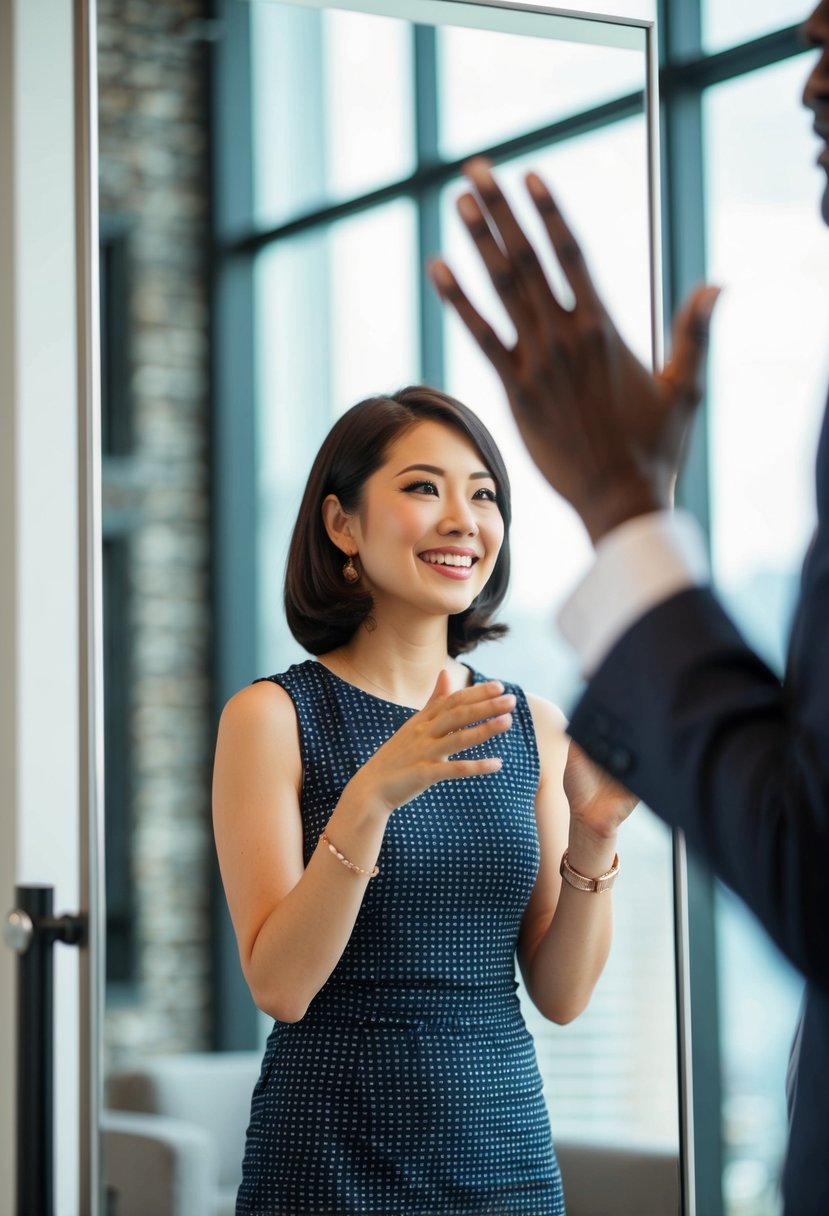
[(443, 520), (392, 830), (368, 466)]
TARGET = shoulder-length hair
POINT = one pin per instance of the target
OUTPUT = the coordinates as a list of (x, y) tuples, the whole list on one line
[(323, 610)]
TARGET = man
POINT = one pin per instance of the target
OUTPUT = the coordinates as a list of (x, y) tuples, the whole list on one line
[(677, 706)]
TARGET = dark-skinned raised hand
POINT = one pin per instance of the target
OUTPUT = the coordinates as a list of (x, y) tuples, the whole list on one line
[(608, 434)]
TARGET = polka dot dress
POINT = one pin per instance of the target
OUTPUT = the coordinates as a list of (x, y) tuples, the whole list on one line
[(411, 1084)]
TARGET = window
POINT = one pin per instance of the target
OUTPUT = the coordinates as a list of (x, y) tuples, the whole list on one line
[(765, 382), (725, 25)]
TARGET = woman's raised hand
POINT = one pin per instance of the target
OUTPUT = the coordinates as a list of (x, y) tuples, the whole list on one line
[(427, 748)]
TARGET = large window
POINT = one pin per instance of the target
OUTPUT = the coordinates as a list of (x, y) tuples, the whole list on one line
[(768, 248), (323, 235), (738, 21)]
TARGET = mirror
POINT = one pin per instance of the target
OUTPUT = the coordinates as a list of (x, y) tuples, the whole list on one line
[(339, 173), (521, 94)]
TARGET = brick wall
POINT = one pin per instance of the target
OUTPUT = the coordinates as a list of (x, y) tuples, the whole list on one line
[(154, 175)]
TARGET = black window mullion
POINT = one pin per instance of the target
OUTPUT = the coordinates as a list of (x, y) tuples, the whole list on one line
[(440, 172), (234, 506), (683, 193)]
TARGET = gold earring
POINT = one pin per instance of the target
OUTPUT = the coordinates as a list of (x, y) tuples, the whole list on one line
[(350, 572)]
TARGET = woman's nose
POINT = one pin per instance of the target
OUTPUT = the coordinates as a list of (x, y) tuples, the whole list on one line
[(459, 518)]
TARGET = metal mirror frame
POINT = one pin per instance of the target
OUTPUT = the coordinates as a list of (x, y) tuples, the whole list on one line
[(620, 21), (627, 16)]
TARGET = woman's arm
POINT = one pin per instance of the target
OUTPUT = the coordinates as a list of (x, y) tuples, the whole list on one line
[(292, 922), (566, 933)]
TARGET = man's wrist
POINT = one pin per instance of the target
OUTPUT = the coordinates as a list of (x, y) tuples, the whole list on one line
[(638, 564), (616, 504)]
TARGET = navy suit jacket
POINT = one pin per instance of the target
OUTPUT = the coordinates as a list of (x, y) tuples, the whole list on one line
[(688, 717)]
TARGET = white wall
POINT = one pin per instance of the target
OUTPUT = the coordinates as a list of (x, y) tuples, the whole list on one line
[(39, 767)]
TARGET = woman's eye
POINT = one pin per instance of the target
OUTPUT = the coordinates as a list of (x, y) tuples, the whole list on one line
[(488, 495), (421, 487)]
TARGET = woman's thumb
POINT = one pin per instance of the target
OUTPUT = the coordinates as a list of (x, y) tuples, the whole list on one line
[(443, 686)]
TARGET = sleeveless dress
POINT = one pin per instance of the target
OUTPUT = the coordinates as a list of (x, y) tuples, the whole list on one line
[(411, 1084)]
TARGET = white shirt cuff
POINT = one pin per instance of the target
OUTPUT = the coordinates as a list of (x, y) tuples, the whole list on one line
[(638, 565)]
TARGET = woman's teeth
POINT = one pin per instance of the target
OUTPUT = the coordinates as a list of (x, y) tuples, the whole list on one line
[(447, 559)]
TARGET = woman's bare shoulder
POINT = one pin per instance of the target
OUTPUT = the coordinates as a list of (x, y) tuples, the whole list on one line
[(259, 729), (263, 703), (547, 716)]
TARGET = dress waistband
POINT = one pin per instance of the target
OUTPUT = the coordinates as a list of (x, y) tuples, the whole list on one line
[(404, 1004)]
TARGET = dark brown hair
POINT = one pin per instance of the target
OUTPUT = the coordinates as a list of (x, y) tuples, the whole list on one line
[(323, 610)]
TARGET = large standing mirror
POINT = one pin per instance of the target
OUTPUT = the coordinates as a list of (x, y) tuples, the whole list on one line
[(340, 133), (356, 181)]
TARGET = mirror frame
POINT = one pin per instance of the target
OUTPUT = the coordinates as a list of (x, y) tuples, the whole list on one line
[(626, 16)]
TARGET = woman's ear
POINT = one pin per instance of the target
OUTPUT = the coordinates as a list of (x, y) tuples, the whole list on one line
[(338, 525)]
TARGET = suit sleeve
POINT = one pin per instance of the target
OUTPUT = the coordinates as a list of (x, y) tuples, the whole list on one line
[(685, 713)]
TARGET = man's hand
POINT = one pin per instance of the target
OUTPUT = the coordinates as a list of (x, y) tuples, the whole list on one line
[(606, 433)]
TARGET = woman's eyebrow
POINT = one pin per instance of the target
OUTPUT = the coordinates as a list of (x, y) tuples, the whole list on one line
[(431, 468)]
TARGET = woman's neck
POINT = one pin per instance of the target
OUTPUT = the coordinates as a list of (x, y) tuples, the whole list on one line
[(401, 668)]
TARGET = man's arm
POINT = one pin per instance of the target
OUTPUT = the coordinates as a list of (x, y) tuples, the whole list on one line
[(684, 713)]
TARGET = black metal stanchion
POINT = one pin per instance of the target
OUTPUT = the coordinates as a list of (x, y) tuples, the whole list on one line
[(31, 931)]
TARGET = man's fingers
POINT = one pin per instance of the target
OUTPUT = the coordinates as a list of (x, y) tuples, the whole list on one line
[(449, 289), (505, 279), (692, 324), (522, 257), (568, 251)]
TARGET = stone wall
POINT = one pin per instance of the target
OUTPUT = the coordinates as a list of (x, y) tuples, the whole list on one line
[(154, 175)]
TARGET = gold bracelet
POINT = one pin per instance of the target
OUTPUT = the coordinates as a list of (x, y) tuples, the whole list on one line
[(603, 883), (350, 865)]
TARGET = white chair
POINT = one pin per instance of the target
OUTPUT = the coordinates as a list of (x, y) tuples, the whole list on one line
[(174, 1133), (610, 1180)]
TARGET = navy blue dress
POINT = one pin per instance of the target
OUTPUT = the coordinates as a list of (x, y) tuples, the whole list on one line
[(411, 1084)]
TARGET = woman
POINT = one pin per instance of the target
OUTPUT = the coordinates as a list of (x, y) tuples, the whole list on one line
[(390, 828)]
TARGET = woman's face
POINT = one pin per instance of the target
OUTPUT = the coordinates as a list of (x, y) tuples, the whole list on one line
[(429, 530)]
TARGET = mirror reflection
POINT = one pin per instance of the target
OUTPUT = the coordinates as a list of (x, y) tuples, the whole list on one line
[(357, 124)]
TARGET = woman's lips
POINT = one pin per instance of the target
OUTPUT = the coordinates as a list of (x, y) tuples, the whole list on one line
[(448, 563), (458, 572)]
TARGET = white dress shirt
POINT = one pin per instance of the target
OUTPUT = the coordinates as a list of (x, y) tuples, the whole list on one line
[(638, 565)]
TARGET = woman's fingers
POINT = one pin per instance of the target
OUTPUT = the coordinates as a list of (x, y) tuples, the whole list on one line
[(471, 695), (461, 740), (443, 688), (452, 770), (456, 717), (418, 755)]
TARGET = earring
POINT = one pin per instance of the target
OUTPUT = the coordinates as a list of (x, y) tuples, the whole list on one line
[(350, 572)]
